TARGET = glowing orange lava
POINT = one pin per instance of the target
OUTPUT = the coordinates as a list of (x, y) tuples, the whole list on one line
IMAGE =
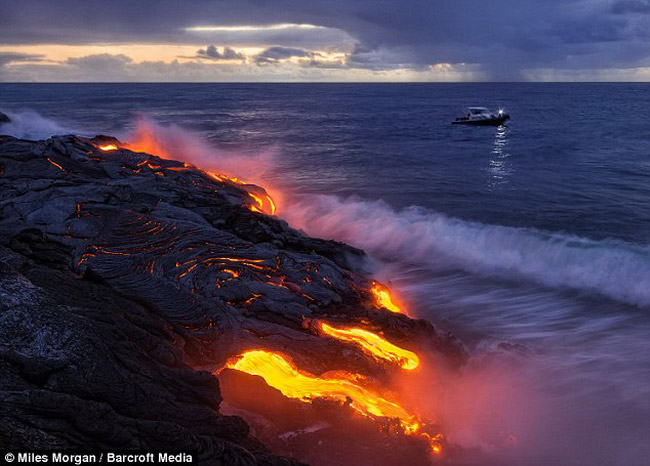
[(383, 298), (374, 345), (54, 163), (148, 143), (262, 202), (280, 373)]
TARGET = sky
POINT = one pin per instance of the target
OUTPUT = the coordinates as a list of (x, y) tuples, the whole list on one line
[(318, 40)]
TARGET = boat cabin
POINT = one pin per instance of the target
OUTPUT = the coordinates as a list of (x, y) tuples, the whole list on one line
[(478, 111)]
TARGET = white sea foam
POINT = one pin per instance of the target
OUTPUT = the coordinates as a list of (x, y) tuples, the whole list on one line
[(590, 373), (615, 269), (27, 124)]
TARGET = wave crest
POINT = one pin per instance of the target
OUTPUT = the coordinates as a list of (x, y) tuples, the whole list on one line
[(615, 269)]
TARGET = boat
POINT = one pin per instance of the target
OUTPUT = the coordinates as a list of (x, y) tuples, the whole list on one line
[(482, 116)]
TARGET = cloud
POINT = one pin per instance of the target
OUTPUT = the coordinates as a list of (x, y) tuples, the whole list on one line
[(212, 53), (276, 54), (100, 61), (16, 57), (383, 58), (505, 38), (121, 68)]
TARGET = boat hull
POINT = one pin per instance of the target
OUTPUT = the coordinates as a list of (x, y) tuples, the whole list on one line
[(484, 122)]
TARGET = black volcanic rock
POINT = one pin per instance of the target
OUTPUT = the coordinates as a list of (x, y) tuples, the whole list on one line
[(4, 118), (126, 280)]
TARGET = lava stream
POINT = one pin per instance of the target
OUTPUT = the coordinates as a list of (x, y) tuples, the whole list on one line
[(261, 201), (280, 373), (383, 297), (374, 345)]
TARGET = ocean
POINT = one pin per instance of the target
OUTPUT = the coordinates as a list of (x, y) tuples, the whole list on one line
[(531, 242)]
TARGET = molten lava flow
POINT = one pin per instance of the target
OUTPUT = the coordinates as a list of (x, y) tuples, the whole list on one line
[(172, 144), (383, 298), (374, 345), (54, 163), (271, 204), (261, 201), (257, 200), (278, 372)]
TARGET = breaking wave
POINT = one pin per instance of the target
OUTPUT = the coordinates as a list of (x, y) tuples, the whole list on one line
[(615, 269), (562, 403), (27, 124)]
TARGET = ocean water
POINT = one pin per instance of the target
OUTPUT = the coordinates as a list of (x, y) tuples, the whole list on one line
[(531, 241)]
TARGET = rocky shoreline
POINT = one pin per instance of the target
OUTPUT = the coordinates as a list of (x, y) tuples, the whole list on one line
[(127, 280)]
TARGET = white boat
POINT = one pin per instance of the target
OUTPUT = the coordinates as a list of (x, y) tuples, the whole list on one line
[(482, 116)]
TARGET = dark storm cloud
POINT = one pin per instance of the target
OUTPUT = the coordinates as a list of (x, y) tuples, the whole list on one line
[(275, 54), (211, 52), (503, 36)]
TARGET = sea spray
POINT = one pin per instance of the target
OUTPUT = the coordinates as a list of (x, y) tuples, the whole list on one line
[(589, 395), (28, 124), (615, 269)]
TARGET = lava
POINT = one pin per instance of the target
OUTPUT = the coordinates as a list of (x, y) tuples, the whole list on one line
[(261, 200), (281, 374), (373, 344), (54, 163), (383, 297), (276, 369), (258, 201)]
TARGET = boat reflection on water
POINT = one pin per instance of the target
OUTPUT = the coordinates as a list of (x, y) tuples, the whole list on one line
[(499, 169)]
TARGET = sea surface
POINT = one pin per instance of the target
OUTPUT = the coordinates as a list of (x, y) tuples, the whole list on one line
[(530, 241)]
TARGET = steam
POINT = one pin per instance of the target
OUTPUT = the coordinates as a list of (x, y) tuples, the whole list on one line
[(173, 142), (168, 141), (615, 269), (487, 406), (496, 394)]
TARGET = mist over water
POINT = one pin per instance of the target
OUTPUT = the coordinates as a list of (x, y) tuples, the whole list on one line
[(558, 327), (531, 243)]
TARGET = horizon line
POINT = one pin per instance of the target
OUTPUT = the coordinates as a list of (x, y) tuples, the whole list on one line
[(324, 82)]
